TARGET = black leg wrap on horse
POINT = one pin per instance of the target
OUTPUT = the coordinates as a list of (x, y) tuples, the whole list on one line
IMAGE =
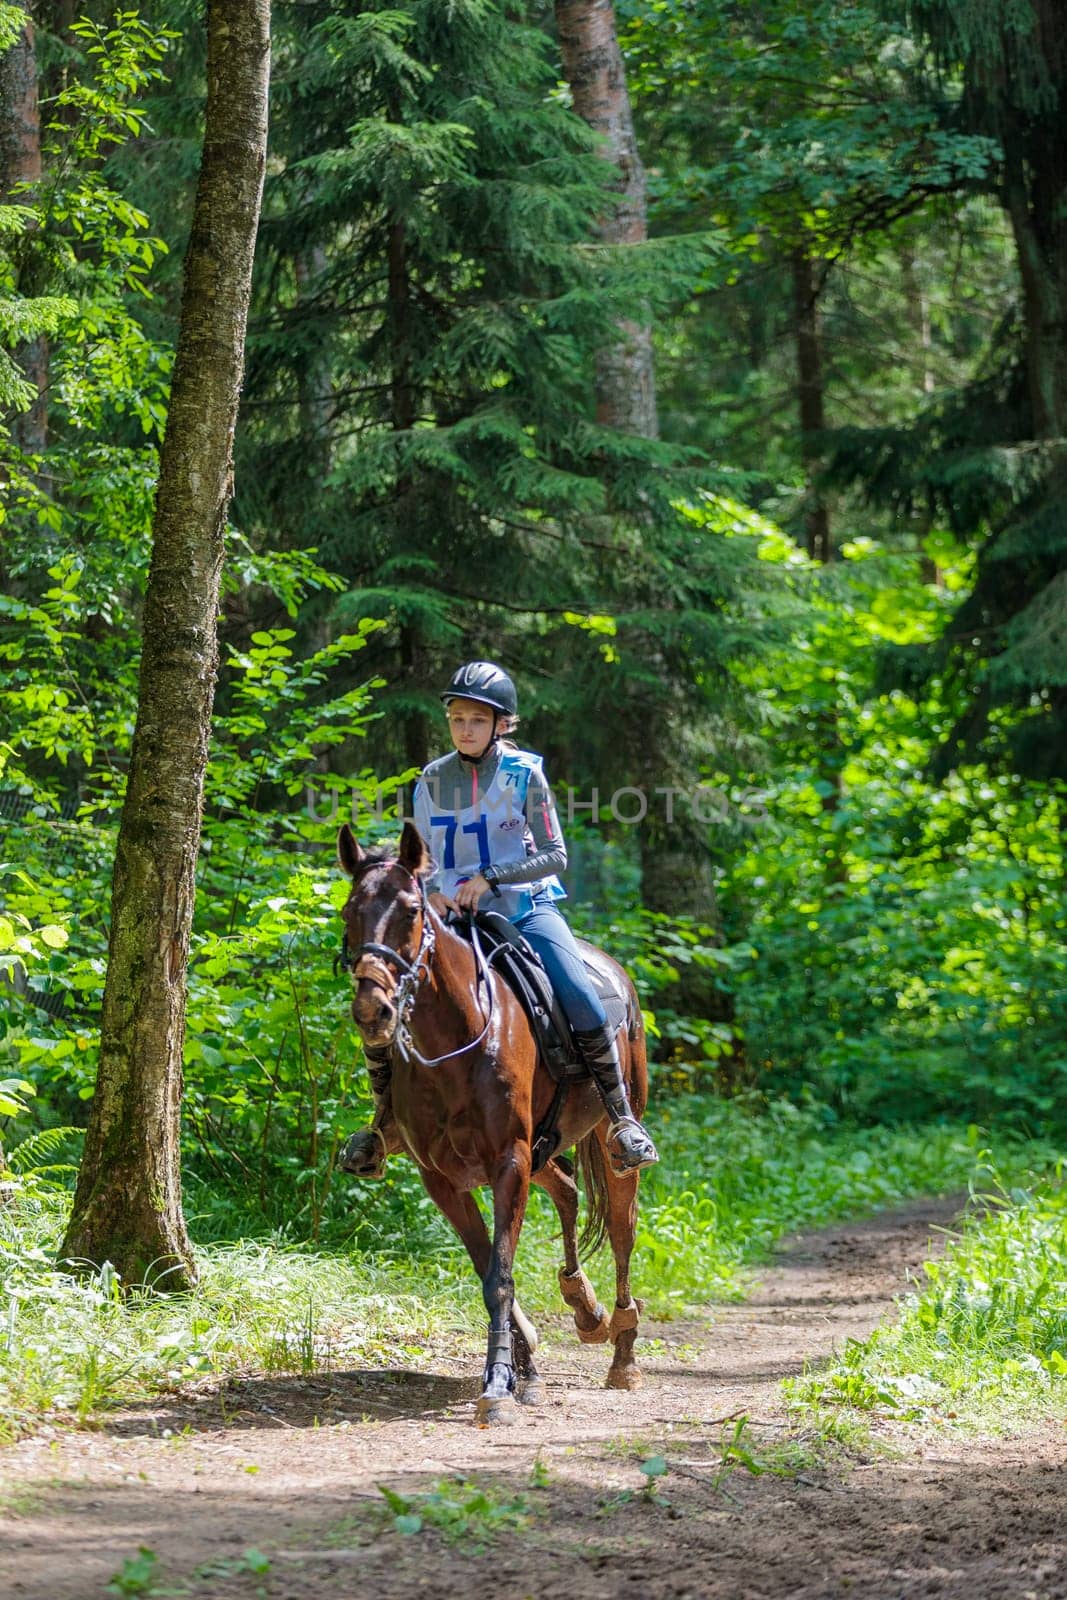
[(499, 1347), (629, 1144), (379, 1070), (500, 1355), (364, 1152)]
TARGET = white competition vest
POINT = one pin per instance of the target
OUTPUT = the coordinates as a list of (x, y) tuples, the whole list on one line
[(493, 831)]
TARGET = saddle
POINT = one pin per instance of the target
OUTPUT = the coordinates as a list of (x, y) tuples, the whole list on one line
[(509, 954)]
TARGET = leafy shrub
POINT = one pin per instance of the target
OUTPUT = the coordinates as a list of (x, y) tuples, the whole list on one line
[(988, 1330)]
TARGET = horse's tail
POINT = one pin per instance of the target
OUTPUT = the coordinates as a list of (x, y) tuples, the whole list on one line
[(595, 1181)]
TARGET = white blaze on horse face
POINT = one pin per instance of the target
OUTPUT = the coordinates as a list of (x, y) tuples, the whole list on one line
[(391, 924)]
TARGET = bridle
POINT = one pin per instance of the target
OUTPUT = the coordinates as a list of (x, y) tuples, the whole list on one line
[(411, 975)]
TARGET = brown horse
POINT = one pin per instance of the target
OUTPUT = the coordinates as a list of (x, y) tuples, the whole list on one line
[(467, 1093)]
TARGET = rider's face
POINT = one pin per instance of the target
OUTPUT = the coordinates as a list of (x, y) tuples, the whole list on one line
[(471, 725)]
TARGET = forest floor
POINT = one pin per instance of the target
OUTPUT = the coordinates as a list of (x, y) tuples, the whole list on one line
[(269, 1485)]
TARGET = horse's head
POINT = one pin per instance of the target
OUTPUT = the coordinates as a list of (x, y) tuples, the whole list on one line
[(384, 919)]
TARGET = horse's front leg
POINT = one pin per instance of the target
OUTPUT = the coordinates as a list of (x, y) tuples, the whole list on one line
[(460, 1208), (511, 1186)]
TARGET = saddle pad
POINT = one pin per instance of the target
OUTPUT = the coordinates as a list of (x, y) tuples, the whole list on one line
[(607, 983), (601, 969)]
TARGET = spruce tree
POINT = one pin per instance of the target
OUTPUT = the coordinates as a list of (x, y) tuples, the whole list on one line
[(991, 457), (421, 401)]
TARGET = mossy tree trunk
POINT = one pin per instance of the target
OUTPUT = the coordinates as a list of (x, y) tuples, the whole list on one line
[(127, 1206), (20, 164)]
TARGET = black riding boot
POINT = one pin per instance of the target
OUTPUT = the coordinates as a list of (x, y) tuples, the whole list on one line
[(629, 1146), (365, 1152)]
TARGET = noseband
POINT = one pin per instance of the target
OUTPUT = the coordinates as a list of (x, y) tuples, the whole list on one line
[(413, 974)]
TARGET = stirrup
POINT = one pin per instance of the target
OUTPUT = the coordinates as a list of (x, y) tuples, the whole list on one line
[(364, 1154), (630, 1149)]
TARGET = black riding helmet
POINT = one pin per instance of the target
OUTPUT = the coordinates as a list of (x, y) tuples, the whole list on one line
[(486, 682)]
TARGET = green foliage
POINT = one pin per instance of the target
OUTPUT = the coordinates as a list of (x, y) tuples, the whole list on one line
[(137, 1575), (419, 445), (907, 934), (457, 1508), (72, 246), (271, 1055), (818, 138), (730, 1183), (988, 1330), (431, 304), (76, 1345)]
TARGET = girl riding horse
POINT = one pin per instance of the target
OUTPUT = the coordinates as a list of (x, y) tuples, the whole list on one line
[(486, 814)]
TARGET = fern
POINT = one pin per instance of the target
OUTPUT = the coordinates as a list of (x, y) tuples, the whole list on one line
[(34, 1158)]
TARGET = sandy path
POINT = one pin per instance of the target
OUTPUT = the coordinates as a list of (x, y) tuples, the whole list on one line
[(289, 1466)]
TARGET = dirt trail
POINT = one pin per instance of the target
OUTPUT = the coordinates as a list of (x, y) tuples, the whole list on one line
[(290, 1467)]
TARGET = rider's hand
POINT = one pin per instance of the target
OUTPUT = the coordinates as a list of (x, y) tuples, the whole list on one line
[(468, 894), (442, 903)]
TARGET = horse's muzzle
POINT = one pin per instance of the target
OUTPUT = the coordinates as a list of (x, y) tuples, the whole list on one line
[(374, 1014), (373, 1010)]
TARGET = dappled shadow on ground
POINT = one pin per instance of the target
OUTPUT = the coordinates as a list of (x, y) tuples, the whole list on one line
[(363, 1395), (292, 1465), (902, 1530), (783, 1305)]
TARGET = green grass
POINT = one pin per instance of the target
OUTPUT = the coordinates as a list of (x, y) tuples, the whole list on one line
[(984, 1341), (72, 1346), (730, 1184)]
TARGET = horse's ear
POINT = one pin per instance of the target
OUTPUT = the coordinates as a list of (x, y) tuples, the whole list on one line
[(349, 851), (413, 852)]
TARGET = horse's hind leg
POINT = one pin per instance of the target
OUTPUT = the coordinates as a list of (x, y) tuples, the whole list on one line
[(590, 1318), (622, 1227), (529, 1389)]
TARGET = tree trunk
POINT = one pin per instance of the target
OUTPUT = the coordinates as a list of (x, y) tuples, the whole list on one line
[(677, 876), (127, 1207), (811, 400), (316, 389), (811, 404), (1036, 197), (593, 67), (404, 410), (20, 163)]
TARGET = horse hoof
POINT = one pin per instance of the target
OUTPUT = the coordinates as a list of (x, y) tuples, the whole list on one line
[(590, 1318), (598, 1330), (494, 1411), (624, 1378), (531, 1392), (364, 1155)]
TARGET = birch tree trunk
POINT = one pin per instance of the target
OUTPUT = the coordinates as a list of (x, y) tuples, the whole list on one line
[(593, 67), (811, 400), (127, 1206), (677, 867)]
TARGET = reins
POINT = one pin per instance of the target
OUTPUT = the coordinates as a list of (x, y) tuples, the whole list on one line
[(413, 974)]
